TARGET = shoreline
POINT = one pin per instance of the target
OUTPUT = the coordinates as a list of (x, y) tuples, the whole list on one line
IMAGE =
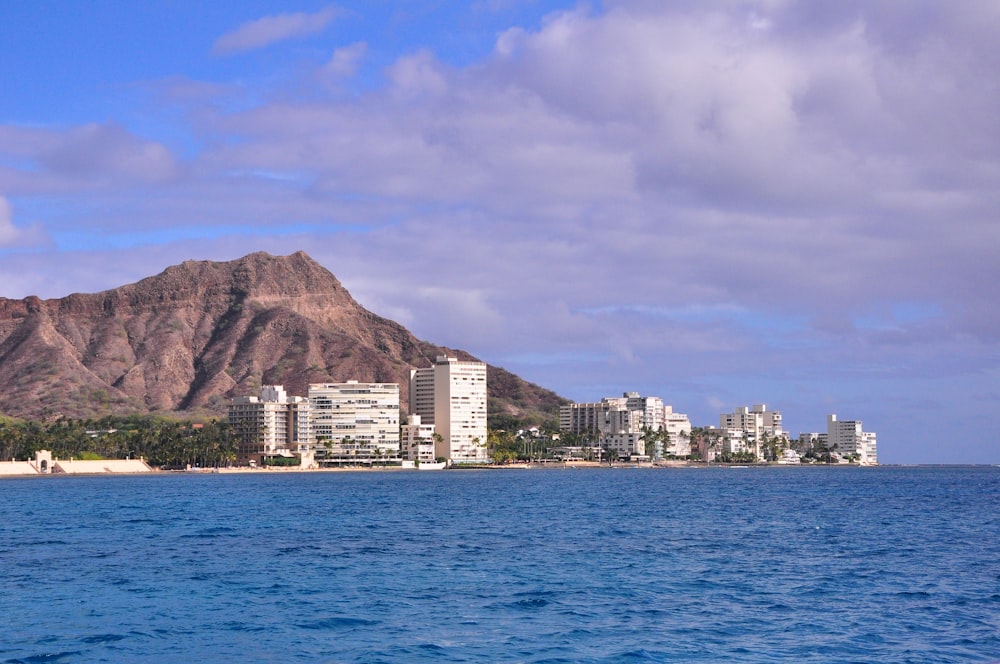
[(567, 465)]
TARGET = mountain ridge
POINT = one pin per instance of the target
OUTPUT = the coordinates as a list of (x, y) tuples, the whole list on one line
[(201, 332)]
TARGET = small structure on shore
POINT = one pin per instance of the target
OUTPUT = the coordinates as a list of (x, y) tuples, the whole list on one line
[(44, 464)]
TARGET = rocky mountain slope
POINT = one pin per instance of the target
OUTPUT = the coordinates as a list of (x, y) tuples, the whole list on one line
[(192, 337)]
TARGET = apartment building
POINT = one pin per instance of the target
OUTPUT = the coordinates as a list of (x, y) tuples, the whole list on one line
[(417, 440), (811, 441), (451, 396), (271, 425), (846, 438), (752, 423), (354, 422), (647, 410), (610, 415), (583, 419), (678, 428), (618, 423)]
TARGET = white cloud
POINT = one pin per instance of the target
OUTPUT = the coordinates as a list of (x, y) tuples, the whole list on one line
[(13, 236), (420, 74), (8, 233), (345, 60), (108, 150), (37, 160), (271, 29), (655, 140)]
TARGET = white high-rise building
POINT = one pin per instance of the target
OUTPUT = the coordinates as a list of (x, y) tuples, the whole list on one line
[(355, 421), (272, 425), (648, 410), (847, 438), (451, 395)]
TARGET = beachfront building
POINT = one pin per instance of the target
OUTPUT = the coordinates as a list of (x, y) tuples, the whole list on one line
[(583, 419), (625, 445), (451, 396), (566, 453), (735, 441), (754, 423), (355, 423), (602, 425), (417, 440), (848, 440), (677, 427), (621, 425), (271, 426), (592, 421), (811, 442)]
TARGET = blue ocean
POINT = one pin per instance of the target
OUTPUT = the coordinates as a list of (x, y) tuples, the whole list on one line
[(569, 565)]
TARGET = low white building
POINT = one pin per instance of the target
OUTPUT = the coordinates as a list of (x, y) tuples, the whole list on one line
[(789, 456), (811, 441), (417, 440), (678, 427), (735, 441), (626, 445)]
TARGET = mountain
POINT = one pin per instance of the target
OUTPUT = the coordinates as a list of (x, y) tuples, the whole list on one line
[(189, 339)]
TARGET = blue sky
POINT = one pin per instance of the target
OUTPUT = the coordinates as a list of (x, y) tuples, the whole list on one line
[(719, 203)]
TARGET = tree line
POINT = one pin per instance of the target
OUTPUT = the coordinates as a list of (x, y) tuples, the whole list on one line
[(161, 441)]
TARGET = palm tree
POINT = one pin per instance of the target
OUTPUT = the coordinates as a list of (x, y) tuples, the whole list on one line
[(686, 436), (654, 437), (667, 443), (438, 444)]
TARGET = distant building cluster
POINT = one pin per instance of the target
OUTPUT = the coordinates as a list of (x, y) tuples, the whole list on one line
[(845, 439), (749, 433), (356, 423), (630, 426), (643, 428)]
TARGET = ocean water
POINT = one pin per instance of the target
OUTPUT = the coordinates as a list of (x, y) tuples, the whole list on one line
[(622, 565)]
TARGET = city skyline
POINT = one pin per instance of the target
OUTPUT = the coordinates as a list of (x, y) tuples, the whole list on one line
[(717, 203)]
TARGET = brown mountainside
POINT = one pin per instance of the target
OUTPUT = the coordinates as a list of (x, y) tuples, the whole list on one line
[(199, 333)]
